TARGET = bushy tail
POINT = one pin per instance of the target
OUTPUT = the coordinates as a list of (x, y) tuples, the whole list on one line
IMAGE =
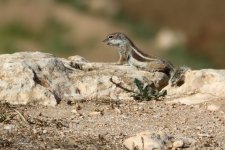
[(177, 76)]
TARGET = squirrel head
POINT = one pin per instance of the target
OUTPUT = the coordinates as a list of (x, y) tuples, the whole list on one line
[(117, 39)]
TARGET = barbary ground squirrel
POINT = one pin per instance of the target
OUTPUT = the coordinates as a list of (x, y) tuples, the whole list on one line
[(131, 55)]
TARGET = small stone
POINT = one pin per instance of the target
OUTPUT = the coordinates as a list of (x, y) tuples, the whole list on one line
[(172, 106), (44, 131), (199, 127), (74, 111), (118, 111), (95, 113), (213, 107), (141, 108), (204, 135), (178, 144), (34, 131), (135, 108), (9, 127), (82, 117)]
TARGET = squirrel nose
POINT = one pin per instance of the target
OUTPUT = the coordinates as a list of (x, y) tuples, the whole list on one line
[(105, 40)]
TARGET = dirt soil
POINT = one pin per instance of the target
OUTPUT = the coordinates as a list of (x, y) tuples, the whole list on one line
[(106, 124)]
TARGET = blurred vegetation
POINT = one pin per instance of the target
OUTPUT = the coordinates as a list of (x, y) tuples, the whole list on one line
[(132, 17), (3, 1), (139, 28), (181, 56), (77, 4), (51, 36)]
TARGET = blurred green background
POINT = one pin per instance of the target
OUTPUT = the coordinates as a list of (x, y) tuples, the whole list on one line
[(187, 32)]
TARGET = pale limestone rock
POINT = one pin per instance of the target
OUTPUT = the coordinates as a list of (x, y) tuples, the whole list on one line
[(35, 77), (147, 141), (199, 86)]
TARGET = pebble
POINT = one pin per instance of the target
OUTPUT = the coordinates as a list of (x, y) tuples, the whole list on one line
[(44, 131), (199, 127), (95, 113), (118, 111), (9, 127), (212, 107), (178, 144), (34, 131), (204, 135), (74, 111)]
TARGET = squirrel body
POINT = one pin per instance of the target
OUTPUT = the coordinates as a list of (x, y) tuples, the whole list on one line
[(130, 54)]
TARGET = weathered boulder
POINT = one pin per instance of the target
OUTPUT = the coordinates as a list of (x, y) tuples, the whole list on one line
[(146, 140), (199, 86), (35, 77), (149, 140)]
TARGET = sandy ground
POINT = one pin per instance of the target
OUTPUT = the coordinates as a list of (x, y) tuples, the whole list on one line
[(103, 124)]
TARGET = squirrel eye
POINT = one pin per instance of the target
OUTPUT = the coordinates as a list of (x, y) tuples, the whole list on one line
[(110, 36)]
